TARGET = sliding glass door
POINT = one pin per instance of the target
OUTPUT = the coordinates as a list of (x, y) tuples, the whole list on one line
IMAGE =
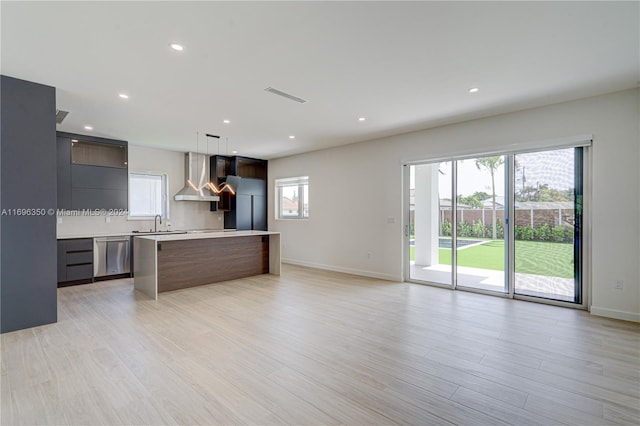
[(430, 223), (480, 233), (509, 224), (548, 224)]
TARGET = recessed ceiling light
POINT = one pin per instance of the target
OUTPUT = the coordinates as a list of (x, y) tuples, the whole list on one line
[(234, 152), (473, 90), (123, 95), (226, 121), (292, 137), (361, 119), (74, 140), (88, 128), (176, 46)]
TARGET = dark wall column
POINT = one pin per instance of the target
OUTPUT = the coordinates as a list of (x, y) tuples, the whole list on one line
[(28, 247)]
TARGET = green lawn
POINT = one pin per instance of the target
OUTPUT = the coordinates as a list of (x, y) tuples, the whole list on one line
[(532, 257)]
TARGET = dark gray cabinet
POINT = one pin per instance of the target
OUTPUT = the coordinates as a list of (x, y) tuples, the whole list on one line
[(251, 205), (28, 294), (98, 177), (97, 187), (247, 209), (63, 147), (75, 261), (92, 172), (259, 212), (243, 212)]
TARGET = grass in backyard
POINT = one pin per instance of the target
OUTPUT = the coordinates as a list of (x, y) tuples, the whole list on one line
[(532, 257)]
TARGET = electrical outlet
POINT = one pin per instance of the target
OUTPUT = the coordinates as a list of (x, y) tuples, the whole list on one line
[(59, 221), (618, 285), (107, 219)]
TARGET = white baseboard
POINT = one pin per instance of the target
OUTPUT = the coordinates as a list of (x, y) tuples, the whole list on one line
[(334, 268), (611, 313)]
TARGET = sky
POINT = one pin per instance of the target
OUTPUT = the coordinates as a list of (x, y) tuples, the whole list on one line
[(552, 167)]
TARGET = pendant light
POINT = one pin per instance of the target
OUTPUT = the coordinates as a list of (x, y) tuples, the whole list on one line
[(231, 182), (196, 188)]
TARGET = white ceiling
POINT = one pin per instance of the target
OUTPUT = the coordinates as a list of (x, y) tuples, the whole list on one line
[(402, 65)]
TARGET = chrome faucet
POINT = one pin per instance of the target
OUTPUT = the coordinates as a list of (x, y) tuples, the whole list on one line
[(155, 222)]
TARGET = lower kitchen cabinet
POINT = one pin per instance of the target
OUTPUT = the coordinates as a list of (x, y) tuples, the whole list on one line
[(75, 261)]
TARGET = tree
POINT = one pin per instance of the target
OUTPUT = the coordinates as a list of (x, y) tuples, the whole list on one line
[(491, 164), (481, 195), (552, 194), (528, 193), (471, 201)]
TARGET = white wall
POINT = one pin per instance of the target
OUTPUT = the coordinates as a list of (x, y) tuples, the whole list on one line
[(356, 192), (182, 214)]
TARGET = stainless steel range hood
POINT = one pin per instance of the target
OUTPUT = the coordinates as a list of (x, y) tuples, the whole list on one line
[(196, 188)]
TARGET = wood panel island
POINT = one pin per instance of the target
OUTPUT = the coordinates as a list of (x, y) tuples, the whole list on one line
[(175, 261)]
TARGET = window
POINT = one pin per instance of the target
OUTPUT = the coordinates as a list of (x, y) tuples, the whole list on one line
[(292, 198), (148, 195)]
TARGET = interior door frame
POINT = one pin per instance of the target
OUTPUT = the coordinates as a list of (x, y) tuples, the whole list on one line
[(406, 215)]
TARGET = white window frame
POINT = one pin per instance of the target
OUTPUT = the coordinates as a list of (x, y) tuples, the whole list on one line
[(165, 195), (300, 182)]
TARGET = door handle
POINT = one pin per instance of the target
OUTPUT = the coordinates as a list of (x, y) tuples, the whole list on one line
[(406, 230)]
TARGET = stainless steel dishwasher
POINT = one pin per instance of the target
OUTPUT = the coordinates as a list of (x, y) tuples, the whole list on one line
[(111, 256)]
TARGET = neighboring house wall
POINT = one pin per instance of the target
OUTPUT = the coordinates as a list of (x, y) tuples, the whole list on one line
[(373, 197)]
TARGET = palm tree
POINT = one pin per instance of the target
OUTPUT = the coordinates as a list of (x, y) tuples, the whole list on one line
[(492, 164)]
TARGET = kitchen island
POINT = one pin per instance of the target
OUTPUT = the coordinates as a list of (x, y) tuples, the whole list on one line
[(171, 262)]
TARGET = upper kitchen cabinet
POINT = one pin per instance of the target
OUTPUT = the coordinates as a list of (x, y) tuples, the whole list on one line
[(110, 154), (92, 172), (252, 168), (247, 209), (219, 167)]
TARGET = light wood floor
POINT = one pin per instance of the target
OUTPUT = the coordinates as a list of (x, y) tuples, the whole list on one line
[(314, 347)]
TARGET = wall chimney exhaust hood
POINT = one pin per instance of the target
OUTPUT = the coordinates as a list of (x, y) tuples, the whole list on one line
[(197, 188)]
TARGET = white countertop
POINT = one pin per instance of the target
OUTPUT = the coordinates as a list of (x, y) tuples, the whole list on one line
[(204, 235), (96, 235), (134, 234)]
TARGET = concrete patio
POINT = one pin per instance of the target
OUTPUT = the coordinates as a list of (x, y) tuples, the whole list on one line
[(485, 279)]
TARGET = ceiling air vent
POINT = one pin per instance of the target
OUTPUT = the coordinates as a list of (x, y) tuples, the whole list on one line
[(285, 95), (61, 115)]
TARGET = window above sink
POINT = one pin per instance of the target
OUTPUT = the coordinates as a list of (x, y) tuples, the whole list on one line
[(148, 195)]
